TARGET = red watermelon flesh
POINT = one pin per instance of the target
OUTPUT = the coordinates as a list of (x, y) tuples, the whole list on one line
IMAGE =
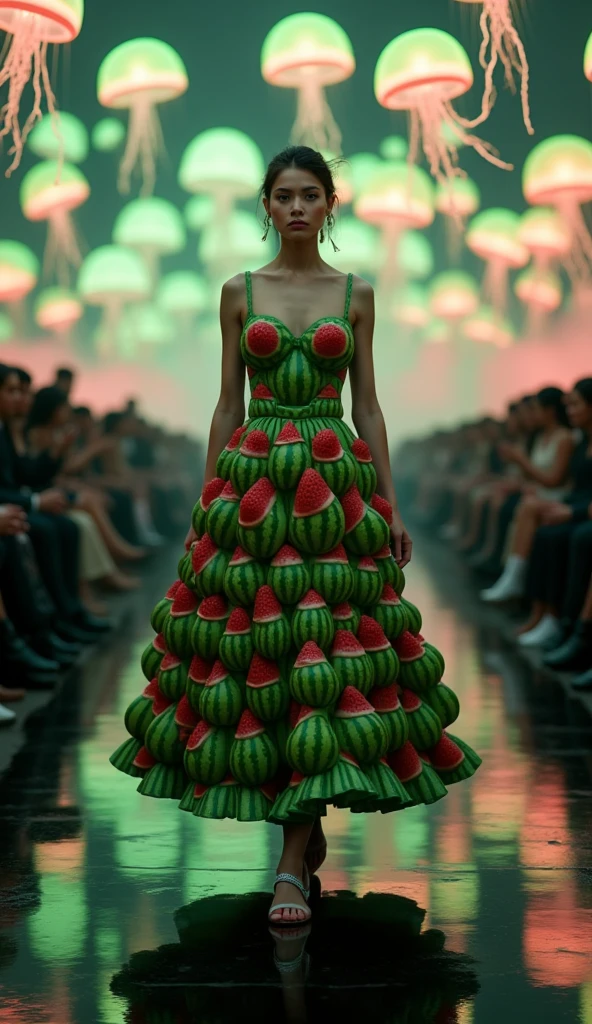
[(234, 443), (389, 595), (371, 635), (410, 700), (199, 670), (446, 755), (384, 552), (213, 608), (211, 491), (310, 601), (239, 622), (287, 555), (257, 503), (169, 661), (341, 375), (248, 726), (313, 495), (160, 703), (342, 611), (218, 674), (199, 789), (143, 759), (256, 445), (346, 645), (203, 553), (328, 392), (383, 507), (326, 446), (270, 791), (289, 434), (361, 451), (337, 555), (159, 644), (305, 712), (385, 698), (240, 557), (408, 647), (352, 704), (229, 780), (185, 716), (229, 493), (406, 762), (295, 779), (367, 564), (262, 672), (262, 391), (151, 690), (185, 602), (354, 508), (267, 607), (170, 594), (199, 735), (263, 338), (251, 372), (329, 340), (310, 654), (294, 712)]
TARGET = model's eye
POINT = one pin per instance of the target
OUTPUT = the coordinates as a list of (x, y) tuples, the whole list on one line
[(312, 195)]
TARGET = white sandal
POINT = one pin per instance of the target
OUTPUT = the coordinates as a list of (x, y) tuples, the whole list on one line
[(293, 880)]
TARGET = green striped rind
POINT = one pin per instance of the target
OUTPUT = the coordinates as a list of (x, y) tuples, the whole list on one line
[(185, 571), (364, 737), (465, 770), (222, 522), (313, 624), (315, 685), (397, 726), (312, 745), (193, 691), (413, 616), (329, 408), (177, 634), (339, 475), (287, 463), (386, 666), (151, 659), (236, 650), (366, 479), (420, 675), (241, 582), (139, 716), (254, 760), (295, 380), (444, 702), (286, 808), (164, 782), (426, 788), (272, 639), (220, 801), (209, 762), (350, 624), (334, 581), (189, 800), (269, 703), (172, 682), (159, 614), (222, 703), (289, 582), (369, 536), (265, 540), (224, 464), (198, 516), (435, 653), (424, 727), (392, 795), (162, 738), (206, 636), (281, 730), (367, 585), (389, 571), (252, 804), (392, 618), (357, 672), (260, 408), (246, 470), (124, 757), (211, 579), (319, 533), (343, 785)]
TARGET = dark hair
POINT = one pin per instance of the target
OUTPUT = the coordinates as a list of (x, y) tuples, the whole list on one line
[(584, 389), (307, 160), (554, 398), (5, 372), (112, 421), (82, 410), (64, 373), (45, 403), (23, 376)]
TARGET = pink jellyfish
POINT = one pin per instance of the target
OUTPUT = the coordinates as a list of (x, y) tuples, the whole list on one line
[(546, 236), (493, 236), (502, 43), (31, 26), (541, 292), (137, 75), (50, 192), (423, 71)]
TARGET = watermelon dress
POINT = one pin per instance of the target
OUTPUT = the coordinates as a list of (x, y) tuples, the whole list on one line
[(288, 670)]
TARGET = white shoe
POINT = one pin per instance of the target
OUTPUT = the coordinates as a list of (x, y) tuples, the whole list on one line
[(151, 539), (503, 590), (6, 715), (546, 631), (449, 532)]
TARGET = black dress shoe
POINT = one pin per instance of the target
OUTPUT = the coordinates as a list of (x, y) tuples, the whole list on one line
[(583, 681), (94, 623), (73, 634), (18, 659), (52, 646), (575, 653)]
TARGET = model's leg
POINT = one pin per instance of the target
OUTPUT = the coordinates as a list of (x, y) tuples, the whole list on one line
[(316, 851), (292, 862)]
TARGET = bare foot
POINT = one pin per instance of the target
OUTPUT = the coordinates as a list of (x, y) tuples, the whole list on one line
[(120, 581), (316, 851), (285, 892), (7, 694)]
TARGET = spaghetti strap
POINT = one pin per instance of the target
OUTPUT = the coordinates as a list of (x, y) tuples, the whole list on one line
[(249, 287), (348, 295)]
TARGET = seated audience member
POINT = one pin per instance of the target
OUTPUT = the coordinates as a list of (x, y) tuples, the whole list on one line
[(478, 468), (575, 653), (64, 380)]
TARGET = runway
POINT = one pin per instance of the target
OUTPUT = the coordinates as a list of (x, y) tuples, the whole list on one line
[(92, 873)]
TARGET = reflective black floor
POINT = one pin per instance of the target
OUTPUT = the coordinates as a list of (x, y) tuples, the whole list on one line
[(117, 908)]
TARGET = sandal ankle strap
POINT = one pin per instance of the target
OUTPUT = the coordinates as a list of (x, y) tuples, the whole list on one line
[(284, 876)]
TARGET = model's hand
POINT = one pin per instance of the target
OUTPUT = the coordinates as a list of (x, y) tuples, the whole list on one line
[(13, 519), (402, 543), (190, 538), (556, 514)]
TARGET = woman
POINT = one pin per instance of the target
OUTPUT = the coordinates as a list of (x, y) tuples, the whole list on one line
[(298, 325)]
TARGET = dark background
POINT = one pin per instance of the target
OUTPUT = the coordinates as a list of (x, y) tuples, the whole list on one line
[(220, 44)]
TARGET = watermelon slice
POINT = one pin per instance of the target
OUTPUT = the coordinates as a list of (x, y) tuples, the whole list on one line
[(262, 672), (310, 601), (313, 495), (389, 595), (326, 446), (289, 434), (144, 759), (367, 564), (294, 712), (354, 508), (352, 704), (406, 762), (385, 698), (337, 556), (199, 735), (310, 654), (371, 635), (169, 661), (446, 755), (202, 553), (305, 712), (248, 726), (185, 716), (228, 493), (328, 392), (200, 790), (267, 607), (234, 441), (240, 557), (287, 555), (255, 445), (262, 391), (342, 611), (199, 669), (341, 375), (151, 690), (159, 644), (361, 451), (214, 608), (408, 647), (410, 701), (211, 491), (257, 503), (160, 703), (239, 622), (346, 645), (185, 603), (383, 507), (170, 594), (218, 674)]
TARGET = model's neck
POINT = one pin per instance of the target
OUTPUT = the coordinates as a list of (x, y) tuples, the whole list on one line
[(299, 257)]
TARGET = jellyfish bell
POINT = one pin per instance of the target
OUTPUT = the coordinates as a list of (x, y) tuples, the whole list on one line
[(546, 235), (198, 211), (183, 294), (415, 256), (493, 236), (57, 310), (7, 329), (110, 277), (107, 135), (487, 327), (363, 166), (151, 225), (223, 164), (541, 292), (138, 76), (50, 191), (422, 72), (30, 28), (308, 52), (588, 59), (59, 136), (410, 307), (394, 147), (454, 295), (19, 271)]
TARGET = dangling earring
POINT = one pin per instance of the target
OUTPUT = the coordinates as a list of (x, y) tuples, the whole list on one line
[(330, 226), (266, 225), (322, 236)]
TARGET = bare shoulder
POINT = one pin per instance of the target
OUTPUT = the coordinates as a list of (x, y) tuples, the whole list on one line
[(362, 296), (234, 288)]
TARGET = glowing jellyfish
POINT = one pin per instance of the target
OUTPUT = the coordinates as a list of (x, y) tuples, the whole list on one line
[(110, 277), (493, 236), (308, 52), (7, 330), (422, 71), (394, 147), (541, 292), (234, 246), (107, 134), (138, 75), (59, 136), (50, 192), (153, 226), (57, 310), (588, 59), (546, 236), (502, 44), (363, 166), (198, 211), (183, 294), (411, 307), (558, 173), (224, 164), (454, 295), (415, 256), (359, 247), (19, 271), (31, 26), (457, 199), (488, 327)]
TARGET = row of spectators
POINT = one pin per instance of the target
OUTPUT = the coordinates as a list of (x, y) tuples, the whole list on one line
[(81, 499), (514, 497)]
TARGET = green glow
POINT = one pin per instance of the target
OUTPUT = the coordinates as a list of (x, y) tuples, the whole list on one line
[(151, 324), (182, 291), (415, 256), (420, 63), (539, 288), (58, 937), (222, 857), (48, 188), (147, 838), (6, 328), (454, 294), (222, 161), (494, 234), (199, 211), (141, 66), (455, 899), (488, 327), (394, 147), (558, 169), (458, 197), (410, 306), (363, 166), (544, 232), (397, 195), (64, 135), (412, 842), (113, 272), (57, 307), (437, 332), (359, 247), (16, 256), (150, 224), (306, 47), (588, 59), (236, 245), (107, 134)]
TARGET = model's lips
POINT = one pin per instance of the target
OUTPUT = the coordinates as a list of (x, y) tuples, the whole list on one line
[(298, 224)]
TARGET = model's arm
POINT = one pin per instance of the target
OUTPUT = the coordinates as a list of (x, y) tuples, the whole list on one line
[(367, 414)]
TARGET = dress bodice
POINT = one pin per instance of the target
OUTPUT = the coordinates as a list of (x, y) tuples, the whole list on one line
[(292, 376)]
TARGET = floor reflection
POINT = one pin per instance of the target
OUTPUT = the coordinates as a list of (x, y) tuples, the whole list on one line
[(90, 873)]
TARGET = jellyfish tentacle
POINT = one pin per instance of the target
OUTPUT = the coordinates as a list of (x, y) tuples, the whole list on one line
[(520, 63), (315, 125)]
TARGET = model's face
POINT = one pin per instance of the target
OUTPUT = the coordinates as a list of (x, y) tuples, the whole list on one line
[(579, 412), (298, 205), (9, 396)]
